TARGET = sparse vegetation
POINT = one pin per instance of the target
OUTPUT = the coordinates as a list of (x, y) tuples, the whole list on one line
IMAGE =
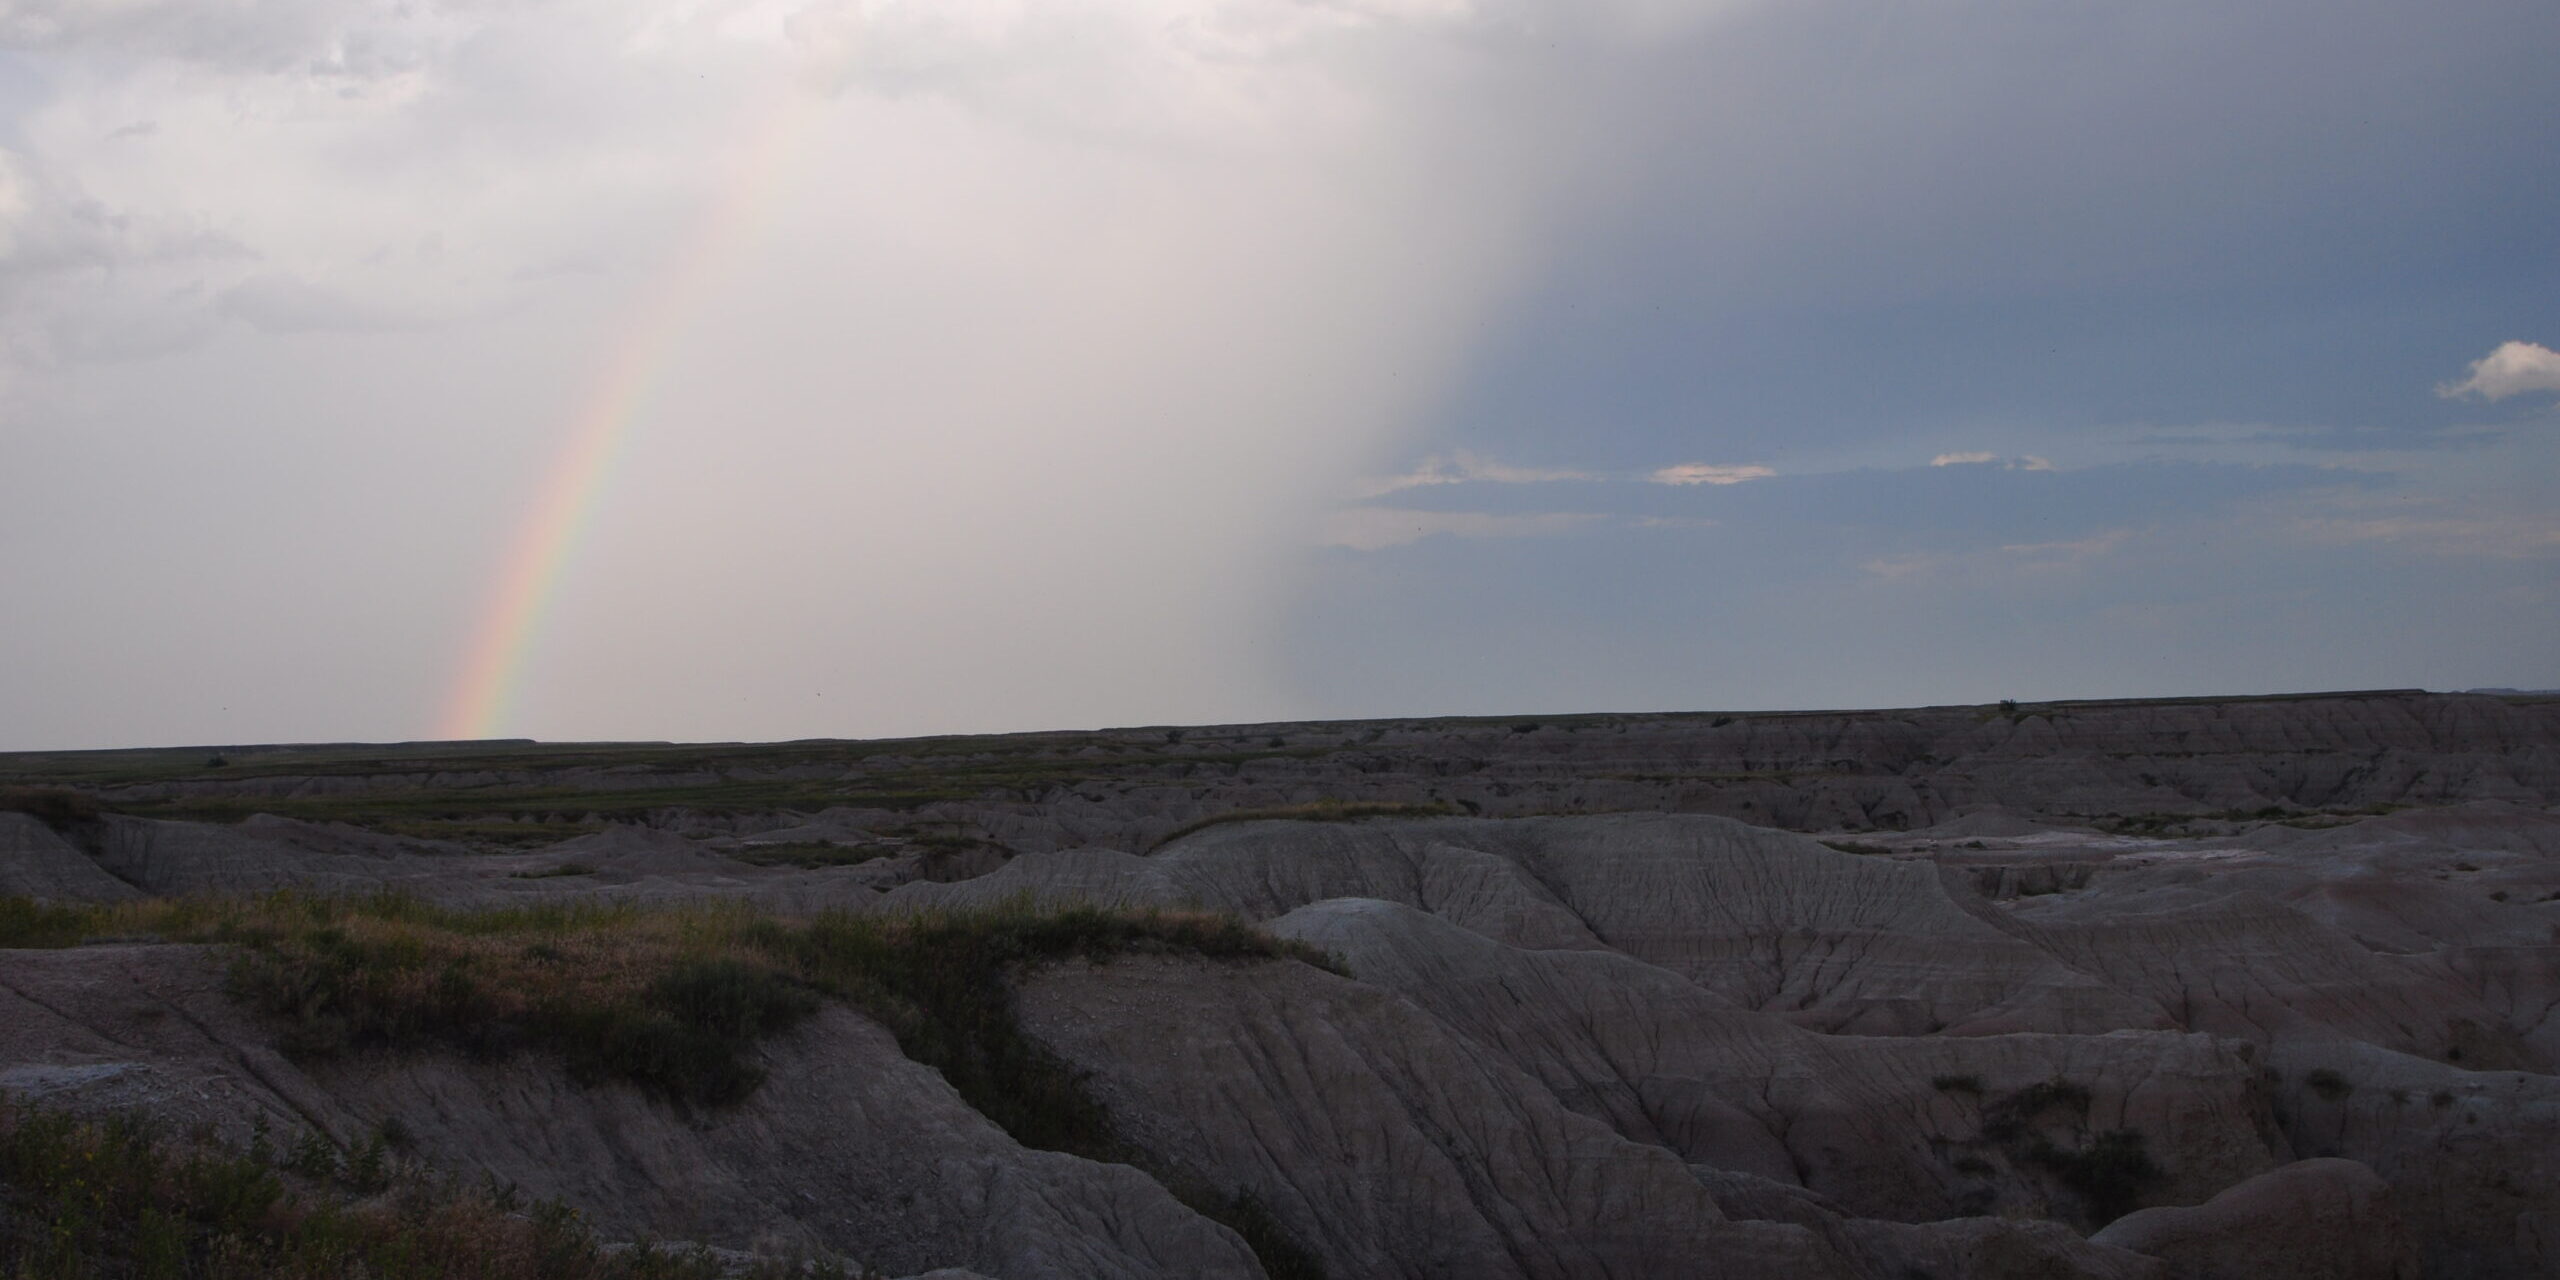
[(84, 1198), (670, 999), (2110, 1174), (557, 871), (2328, 1084), (2049, 1094), (1318, 811), (60, 808), (812, 854), (1860, 848)]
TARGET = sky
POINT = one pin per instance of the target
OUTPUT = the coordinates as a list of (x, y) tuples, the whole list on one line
[(760, 369)]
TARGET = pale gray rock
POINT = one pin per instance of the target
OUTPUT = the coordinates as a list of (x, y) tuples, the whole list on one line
[(1871, 1125), (36, 862), (1380, 1141), (2313, 1220), (1832, 941), (848, 1146)]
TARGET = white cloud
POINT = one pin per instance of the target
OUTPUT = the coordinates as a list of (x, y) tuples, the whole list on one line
[(1710, 473), (1049, 278), (1377, 528), (1982, 457), (2513, 369), (279, 302), (1462, 467)]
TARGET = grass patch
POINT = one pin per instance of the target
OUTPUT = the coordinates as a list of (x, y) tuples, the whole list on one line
[(2110, 1174), (672, 999), (115, 1197), (60, 808), (1316, 811), (1859, 848), (812, 854), (943, 984)]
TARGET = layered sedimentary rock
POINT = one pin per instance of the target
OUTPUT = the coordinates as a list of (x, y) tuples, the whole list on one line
[(2052, 991)]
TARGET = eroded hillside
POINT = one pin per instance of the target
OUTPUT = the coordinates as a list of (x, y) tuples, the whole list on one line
[(2206, 988)]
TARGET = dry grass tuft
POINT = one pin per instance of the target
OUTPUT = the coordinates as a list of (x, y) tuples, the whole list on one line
[(84, 1198)]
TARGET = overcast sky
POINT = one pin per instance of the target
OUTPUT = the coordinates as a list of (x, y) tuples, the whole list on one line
[(982, 365)]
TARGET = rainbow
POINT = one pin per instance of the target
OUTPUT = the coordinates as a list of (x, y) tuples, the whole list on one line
[(614, 402)]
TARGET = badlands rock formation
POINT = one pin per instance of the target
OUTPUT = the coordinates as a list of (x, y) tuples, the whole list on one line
[(2251, 988)]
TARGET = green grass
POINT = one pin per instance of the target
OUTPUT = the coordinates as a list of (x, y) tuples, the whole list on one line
[(84, 1198), (673, 999), (60, 808), (676, 999), (812, 854)]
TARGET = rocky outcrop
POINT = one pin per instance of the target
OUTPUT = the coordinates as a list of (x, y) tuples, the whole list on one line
[(36, 862), (848, 1145), (2066, 990), (2314, 1220), (1768, 920), (1906, 1128)]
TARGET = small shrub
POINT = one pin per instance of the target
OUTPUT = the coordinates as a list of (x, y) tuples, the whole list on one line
[(2110, 1174), (1863, 850), (1957, 1084), (60, 808), (813, 854), (113, 1197), (2057, 1092), (314, 1156), (2328, 1084), (368, 1166), (25, 922)]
